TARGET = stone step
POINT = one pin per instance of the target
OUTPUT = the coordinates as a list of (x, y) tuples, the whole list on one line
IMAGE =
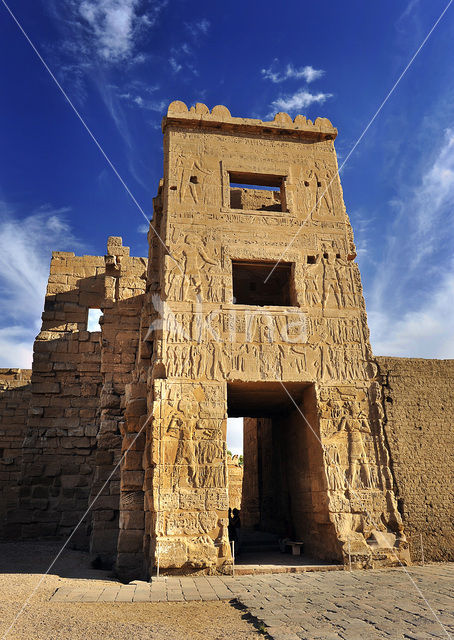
[(257, 569)]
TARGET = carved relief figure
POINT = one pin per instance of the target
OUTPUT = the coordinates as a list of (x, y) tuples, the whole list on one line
[(308, 184), (355, 423), (209, 452), (191, 177), (189, 272), (211, 475), (325, 206), (336, 474), (218, 359), (331, 286), (181, 425), (343, 276), (297, 357), (314, 281)]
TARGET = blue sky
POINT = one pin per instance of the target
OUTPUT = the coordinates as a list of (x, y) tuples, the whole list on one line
[(122, 61)]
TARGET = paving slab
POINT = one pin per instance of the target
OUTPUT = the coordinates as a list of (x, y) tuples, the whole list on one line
[(415, 603)]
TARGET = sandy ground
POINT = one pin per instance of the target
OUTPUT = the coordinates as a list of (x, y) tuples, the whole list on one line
[(22, 566)]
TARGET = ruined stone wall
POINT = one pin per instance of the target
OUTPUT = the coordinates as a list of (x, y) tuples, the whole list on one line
[(15, 391), (122, 401), (78, 397), (419, 409), (235, 481), (58, 452)]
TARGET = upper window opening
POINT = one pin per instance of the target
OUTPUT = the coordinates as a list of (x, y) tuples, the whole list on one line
[(256, 191), (262, 283), (94, 316)]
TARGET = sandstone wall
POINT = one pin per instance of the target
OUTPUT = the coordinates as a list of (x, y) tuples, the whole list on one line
[(58, 452), (77, 401), (250, 516), (419, 409), (15, 394), (235, 479), (119, 401), (308, 325)]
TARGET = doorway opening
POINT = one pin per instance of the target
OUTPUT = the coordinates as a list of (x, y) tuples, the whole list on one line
[(284, 503)]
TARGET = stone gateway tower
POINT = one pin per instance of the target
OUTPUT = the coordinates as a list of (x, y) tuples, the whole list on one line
[(249, 305), (254, 308)]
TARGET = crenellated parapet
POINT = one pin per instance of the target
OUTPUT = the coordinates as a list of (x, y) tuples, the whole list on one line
[(220, 118)]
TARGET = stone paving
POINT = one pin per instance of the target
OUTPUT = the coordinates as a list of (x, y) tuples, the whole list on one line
[(412, 604)]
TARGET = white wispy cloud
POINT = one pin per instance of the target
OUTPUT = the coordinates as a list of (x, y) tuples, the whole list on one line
[(294, 102), (411, 302), (176, 66), (16, 349), (182, 57), (301, 99), (427, 332), (307, 73), (200, 27), (114, 24), (26, 244), (136, 100), (362, 222), (111, 23), (408, 13), (117, 108), (105, 31)]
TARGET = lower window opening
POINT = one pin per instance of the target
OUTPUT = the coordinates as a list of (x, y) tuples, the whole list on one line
[(262, 283)]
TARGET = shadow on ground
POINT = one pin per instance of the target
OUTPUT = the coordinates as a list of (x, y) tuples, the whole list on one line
[(37, 557)]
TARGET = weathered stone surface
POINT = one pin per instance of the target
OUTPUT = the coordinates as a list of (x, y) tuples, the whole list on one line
[(130, 541), (284, 341), (15, 392), (254, 309), (235, 473), (418, 406), (132, 519)]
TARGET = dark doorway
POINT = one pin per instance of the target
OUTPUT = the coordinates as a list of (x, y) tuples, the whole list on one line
[(284, 486)]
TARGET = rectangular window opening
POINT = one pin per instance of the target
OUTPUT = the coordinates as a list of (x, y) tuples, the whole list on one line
[(94, 316), (262, 283), (257, 192)]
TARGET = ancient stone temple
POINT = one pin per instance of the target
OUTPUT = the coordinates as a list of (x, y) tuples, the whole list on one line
[(249, 305)]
